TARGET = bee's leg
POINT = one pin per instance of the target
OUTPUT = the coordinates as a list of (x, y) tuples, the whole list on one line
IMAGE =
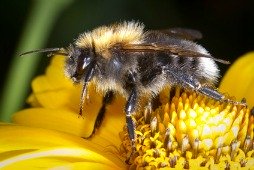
[(213, 93), (107, 99), (192, 83), (88, 76), (208, 91), (130, 109)]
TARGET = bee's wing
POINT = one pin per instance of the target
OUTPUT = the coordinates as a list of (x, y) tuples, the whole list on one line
[(175, 49), (184, 33)]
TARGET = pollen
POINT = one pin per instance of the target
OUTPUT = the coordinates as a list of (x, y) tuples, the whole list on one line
[(190, 131)]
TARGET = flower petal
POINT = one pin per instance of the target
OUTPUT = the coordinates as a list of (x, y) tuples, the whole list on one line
[(16, 137), (55, 73), (239, 79), (56, 119), (51, 157), (32, 100), (68, 121), (84, 165), (54, 97), (54, 89), (22, 146)]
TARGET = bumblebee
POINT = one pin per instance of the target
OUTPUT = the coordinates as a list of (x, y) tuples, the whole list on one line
[(123, 58)]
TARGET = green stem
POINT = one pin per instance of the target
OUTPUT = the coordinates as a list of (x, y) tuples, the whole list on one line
[(35, 34)]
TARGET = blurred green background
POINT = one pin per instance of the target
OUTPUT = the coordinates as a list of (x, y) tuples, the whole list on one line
[(227, 27)]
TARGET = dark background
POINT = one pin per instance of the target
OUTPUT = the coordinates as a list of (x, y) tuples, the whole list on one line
[(227, 26)]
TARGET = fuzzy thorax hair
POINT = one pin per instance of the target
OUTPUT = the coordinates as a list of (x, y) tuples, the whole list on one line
[(105, 37)]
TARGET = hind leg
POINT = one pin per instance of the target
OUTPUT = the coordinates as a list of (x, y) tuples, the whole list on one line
[(192, 83)]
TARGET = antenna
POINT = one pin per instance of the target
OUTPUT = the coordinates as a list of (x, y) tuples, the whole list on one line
[(46, 50)]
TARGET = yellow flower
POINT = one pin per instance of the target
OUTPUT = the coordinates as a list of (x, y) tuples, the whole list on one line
[(187, 131), (194, 132)]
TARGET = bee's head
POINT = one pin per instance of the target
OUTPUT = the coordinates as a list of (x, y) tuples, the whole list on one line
[(78, 60)]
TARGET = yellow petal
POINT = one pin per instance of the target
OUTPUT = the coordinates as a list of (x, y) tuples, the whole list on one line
[(84, 165), (54, 157), (55, 73), (16, 137), (22, 146), (239, 79), (54, 89), (32, 100), (57, 119), (49, 96), (68, 121)]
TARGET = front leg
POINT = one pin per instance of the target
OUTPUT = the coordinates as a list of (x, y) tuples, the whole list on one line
[(130, 109), (87, 78)]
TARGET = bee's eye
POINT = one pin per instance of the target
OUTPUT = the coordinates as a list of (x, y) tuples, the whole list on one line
[(82, 59)]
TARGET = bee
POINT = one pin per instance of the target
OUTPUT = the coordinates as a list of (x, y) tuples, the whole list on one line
[(124, 58)]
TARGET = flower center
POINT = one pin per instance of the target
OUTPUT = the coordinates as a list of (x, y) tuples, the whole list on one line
[(190, 131)]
